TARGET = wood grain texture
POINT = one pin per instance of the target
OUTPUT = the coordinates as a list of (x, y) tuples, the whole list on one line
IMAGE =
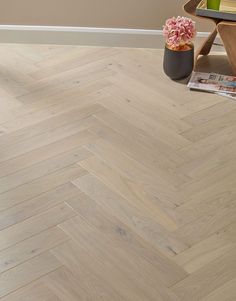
[(115, 183), (225, 29), (227, 33), (36, 291)]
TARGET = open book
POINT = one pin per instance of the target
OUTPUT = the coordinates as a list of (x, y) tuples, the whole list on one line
[(215, 83)]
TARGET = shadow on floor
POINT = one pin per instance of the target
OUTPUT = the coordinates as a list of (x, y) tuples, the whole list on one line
[(216, 63)]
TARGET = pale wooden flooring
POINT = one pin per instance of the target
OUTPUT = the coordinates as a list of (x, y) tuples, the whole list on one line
[(115, 183)]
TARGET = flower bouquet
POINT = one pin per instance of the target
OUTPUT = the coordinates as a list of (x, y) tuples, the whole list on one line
[(179, 33)]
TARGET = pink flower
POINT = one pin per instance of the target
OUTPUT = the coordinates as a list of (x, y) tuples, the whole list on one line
[(179, 32)]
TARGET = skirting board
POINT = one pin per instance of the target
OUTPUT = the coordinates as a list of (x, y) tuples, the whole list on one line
[(113, 37)]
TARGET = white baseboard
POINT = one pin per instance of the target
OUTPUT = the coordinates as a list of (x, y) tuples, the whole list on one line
[(115, 37)]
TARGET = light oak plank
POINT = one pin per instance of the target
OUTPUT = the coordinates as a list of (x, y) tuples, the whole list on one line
[(115, 205), (42, 169), (126, 177), (136, 171), (129, 190), (225, 292), (36, 291), (39, 186), (44, 139), (31, 247), (129, 288), (27, 272), (79, 285), (45, 152), (34, 225), (123, 237), (37, 205), (208, 250), (207, 279)]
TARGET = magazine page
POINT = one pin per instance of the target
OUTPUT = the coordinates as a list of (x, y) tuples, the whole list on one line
[(213, 82), (229, 95)]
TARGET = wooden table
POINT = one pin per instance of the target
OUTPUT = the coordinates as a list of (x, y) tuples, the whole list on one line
[(226, 30)]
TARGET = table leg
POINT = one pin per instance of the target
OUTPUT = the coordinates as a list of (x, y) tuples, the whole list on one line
[(206, 46), (227, 31)]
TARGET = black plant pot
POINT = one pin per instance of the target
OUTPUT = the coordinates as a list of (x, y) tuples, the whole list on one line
[(178, 64)]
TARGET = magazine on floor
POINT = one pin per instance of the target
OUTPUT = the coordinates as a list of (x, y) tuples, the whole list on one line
[(229, 95), (223, 85)]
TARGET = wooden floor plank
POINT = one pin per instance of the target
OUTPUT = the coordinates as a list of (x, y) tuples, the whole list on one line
[(27, 272), (116, 104), (48, 125), (208, 250), (209, 278), (115, 182), (43, 153), (44, 139), (34, 225), (116, 205), (31, 247), (36, 291), (42, 169), (39, 186), (37, 205), (228, 290), (79, 285), (126, 239), (136, 171), (118, 280), (129, 190), (141, 152)]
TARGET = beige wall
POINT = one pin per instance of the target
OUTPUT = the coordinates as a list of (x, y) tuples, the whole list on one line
[(146, 14)]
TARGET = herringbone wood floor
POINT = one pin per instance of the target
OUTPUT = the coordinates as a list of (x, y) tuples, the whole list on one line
[(115, 183)]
